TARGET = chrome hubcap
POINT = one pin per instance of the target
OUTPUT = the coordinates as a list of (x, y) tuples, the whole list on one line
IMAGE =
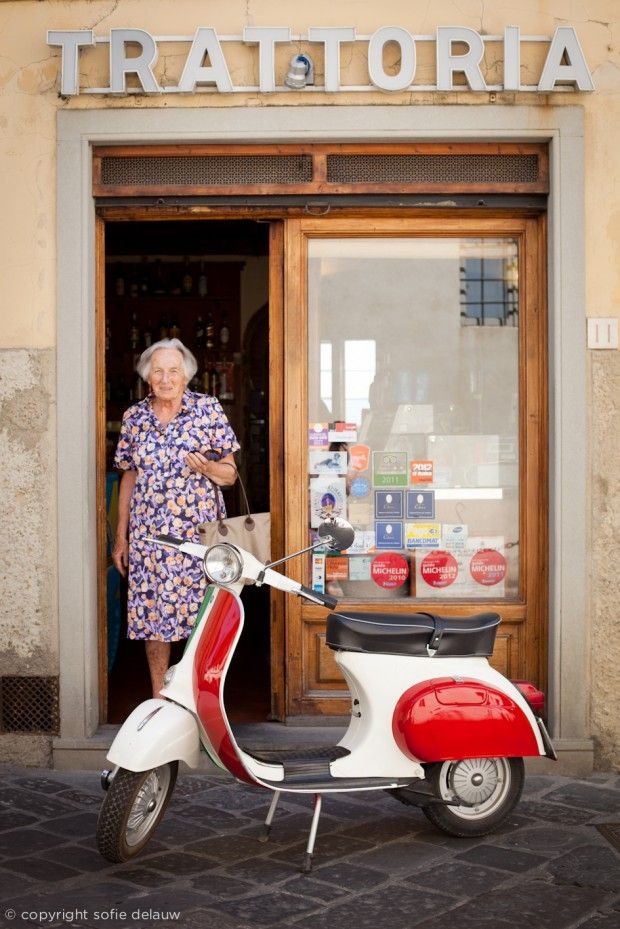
[(147, 804), (480, 783)]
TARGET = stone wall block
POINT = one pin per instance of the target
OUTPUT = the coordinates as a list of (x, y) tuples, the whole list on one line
[(28, 584)]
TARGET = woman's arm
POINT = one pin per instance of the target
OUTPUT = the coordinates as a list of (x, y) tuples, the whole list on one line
[(218, 472), (120, 551)]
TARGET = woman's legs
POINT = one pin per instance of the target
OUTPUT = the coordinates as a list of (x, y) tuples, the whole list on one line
[(158, 657)]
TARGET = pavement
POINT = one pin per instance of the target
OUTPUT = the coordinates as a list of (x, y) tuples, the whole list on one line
[(377, 864)]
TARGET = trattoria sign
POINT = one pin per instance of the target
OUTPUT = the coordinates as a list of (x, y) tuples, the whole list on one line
[(458, 50)]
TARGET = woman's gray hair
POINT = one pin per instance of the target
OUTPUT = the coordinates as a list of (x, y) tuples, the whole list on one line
[(190, 365)]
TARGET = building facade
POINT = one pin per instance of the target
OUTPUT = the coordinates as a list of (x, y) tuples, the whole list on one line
[(392, 245)]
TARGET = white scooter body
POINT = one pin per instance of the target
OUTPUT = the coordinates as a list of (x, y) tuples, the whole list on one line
[(425, 712), (376, 683)]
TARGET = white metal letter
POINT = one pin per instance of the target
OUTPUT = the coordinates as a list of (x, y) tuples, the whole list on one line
[(266, 37), (512, 58), (565, 44), (70, 41), (332, 39), (205, 42), (377, 43), (447, 63), (121, 64)]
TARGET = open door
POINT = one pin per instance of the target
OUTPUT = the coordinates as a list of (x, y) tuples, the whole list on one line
[(216, 285)]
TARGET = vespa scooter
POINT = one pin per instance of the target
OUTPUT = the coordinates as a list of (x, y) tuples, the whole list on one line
[(432, 723)]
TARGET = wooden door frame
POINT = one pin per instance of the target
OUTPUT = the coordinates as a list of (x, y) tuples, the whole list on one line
[(531, 656), (276, 425), (288, 416)]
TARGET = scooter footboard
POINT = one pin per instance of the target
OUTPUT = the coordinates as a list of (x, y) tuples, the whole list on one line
[(156, 732)]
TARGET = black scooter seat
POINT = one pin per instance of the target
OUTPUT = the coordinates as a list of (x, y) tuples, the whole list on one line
[(413, 634)]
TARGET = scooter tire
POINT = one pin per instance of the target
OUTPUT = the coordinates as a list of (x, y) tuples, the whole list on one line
[(132, 810), (499, 790)]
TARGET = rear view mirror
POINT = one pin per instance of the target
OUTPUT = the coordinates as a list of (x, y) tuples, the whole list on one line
[(337, 533)]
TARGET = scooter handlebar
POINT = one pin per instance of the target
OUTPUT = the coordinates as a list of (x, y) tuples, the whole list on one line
[(324, 599)]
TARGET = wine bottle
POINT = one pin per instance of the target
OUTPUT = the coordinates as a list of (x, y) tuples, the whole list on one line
[(224, 333), (159, 287), (134, 288), (148, 335), (187, 281), (144, 278), (202, 281), (210, 332), (119, 283), (199, 333), (134, 333)]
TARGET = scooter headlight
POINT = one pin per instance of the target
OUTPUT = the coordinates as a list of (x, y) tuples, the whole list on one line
[(223, 564)]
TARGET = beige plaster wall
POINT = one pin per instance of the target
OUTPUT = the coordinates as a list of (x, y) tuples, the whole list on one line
[(28, 104)]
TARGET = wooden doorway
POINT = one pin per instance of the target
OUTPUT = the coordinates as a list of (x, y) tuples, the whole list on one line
[(161, 276), (471, 321)]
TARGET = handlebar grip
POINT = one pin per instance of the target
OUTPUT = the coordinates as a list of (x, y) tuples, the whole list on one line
[(330, 602)]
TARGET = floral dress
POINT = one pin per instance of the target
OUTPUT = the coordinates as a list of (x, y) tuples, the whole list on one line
[(166, 587)]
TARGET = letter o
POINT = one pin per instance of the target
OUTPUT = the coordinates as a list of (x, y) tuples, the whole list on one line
[(378, 41)]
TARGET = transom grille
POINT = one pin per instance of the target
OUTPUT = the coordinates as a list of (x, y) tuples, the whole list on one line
[(29, 704), (320, 169), (207, 171), (432, 169)]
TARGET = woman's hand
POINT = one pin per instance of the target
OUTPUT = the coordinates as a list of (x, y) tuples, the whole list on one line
[(120, 556), (223, 472)]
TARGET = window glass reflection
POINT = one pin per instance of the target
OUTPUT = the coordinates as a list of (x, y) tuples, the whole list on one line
[(413, 415)]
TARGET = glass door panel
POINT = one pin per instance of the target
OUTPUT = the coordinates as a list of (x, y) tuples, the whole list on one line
[(413, 415)]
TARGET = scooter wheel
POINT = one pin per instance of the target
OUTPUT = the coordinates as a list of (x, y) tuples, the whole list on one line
[(489, 789), (132, 809)]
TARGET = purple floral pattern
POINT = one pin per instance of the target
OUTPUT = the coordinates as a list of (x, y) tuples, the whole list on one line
[(166, 587)]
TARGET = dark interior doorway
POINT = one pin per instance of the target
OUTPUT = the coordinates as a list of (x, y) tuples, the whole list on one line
[(207, 283)]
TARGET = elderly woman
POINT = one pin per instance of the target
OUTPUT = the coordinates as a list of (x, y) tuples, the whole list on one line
[(175, 450)]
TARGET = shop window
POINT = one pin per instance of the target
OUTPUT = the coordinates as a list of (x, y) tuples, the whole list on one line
[(414, 413)]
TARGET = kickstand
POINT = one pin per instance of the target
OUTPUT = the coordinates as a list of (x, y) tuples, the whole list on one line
[(307, 865), (272, 809)]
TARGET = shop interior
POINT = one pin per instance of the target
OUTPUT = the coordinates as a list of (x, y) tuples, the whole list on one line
[(206, 283)]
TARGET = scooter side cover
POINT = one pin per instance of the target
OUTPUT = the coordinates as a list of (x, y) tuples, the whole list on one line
[(210, 666), (444, 720)]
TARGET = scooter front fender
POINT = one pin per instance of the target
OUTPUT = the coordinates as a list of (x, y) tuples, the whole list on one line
[(156, 732)]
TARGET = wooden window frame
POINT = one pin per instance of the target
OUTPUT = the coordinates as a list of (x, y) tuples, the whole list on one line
[(522, 650)]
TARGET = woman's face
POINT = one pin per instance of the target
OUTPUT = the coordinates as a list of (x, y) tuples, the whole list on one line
[(167, 376)]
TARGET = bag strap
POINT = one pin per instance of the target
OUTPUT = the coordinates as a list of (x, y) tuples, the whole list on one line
[(220, 516)]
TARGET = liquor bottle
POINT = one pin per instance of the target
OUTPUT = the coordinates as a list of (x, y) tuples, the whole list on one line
[(119, 282), (134, 333), (144, 278), (224, 333), (202, 281), (175, 329), (187, 281), (133, 283), (164, 327), (199, 333), (148, 335), (159, 287), (210, 332), (138, 389)]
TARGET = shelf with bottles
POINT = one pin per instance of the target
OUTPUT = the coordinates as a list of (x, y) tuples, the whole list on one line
[(208, 324), (161, 277)]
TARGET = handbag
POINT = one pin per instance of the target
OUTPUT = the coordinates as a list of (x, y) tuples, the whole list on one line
[(251, 532)]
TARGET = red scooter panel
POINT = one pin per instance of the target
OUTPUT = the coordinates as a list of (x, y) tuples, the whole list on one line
[(444, 720), (210, 665)]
